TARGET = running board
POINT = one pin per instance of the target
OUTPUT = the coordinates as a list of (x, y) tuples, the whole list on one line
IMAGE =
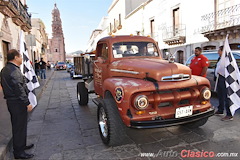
[(97, 100)]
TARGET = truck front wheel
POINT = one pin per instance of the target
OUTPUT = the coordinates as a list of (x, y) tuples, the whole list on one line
[(111, 127), (82, 93)]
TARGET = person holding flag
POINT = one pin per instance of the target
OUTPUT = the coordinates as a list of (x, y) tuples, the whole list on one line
[(221, 89), (16, 94), (228, 82)]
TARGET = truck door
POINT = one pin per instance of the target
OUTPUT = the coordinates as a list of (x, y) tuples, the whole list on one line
[(101, 67)]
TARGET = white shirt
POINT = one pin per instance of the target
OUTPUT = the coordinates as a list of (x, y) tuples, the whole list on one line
[(220, 68)]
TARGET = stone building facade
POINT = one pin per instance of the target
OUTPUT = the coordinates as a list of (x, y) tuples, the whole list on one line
[(37, 41), (178, 26), (14, 17), (56, 44)]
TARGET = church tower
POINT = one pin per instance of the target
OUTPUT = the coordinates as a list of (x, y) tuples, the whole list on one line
[(57, 45)]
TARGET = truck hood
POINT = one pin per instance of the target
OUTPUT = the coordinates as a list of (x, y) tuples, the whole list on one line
[(154, 69)]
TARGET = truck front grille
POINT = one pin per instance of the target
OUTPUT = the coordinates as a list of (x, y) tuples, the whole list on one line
[(183, 102), (178, 97), (165, 104)]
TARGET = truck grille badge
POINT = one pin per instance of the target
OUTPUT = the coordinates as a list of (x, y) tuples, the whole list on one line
[(176, 77)]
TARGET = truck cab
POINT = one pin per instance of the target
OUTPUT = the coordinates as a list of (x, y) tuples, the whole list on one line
[(137, 88)]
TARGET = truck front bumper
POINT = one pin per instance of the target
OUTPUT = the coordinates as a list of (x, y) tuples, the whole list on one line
[(171, 122)]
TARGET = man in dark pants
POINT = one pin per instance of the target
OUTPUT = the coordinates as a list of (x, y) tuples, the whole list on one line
[(16, 94), (42, 65), (222, 91)]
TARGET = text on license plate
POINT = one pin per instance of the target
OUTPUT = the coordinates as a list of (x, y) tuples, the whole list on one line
[(184, 111)]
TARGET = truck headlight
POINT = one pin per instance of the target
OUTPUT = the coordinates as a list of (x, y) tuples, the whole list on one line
[(206, 94), (141, 102)]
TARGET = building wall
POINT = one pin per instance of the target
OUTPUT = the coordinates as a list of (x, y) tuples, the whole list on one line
[(137, 21), (40, 48), (10, 29), (10, 34)]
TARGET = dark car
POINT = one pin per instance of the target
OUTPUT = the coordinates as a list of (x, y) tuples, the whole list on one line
[(213, 57), (60, 66)]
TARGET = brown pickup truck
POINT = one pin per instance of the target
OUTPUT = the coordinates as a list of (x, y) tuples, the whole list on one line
[(137, 88)]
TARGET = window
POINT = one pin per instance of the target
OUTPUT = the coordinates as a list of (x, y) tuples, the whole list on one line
[(224, 16), (152, 25), (132, 49), (56, 50), (102, 51), (5, 48), (175, 21), (180, 57)]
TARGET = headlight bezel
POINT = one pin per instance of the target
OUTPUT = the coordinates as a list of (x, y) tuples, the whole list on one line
[(141, 102), (206, 94)]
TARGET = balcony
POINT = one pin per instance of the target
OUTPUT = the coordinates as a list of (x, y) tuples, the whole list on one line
[(217, 24), (15, 10), (174, 35)]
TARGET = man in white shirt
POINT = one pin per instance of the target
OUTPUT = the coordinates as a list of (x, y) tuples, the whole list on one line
[(222, 90)]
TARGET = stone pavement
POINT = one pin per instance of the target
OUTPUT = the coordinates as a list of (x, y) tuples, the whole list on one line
[(5, 122), (63, 130)]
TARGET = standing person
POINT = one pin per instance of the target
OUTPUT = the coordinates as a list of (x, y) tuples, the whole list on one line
[(42, 69), (48, 65), (222, 90), (16, 94), (37, 67), (199, 63), (129, 50)]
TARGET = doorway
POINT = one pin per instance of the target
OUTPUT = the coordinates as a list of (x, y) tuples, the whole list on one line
[(5, 46)]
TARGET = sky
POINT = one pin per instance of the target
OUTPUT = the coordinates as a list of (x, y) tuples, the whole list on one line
[(79, 18)]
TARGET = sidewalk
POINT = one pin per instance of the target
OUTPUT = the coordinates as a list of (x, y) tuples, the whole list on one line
[(5, 122)]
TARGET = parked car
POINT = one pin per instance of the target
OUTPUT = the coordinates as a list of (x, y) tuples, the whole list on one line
[(60, 66), (213, 57)]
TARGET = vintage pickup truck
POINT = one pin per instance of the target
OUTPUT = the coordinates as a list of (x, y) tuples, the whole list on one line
[(137, 88)]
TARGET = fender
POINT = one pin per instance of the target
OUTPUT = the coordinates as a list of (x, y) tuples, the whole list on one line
[(122, 88)]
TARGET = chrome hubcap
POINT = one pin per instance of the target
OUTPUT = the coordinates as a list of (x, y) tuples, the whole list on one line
[(78, 96), (103, 122)]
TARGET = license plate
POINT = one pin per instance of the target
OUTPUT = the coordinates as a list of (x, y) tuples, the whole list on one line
[(184, 111)]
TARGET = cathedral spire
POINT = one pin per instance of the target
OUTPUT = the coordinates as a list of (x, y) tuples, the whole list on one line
[(57, 41)]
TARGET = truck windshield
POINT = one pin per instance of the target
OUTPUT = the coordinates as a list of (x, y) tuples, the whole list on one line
[(132, 49)]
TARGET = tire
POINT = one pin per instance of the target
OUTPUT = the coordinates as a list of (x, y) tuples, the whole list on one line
[(111, 128), (82, 94), (196, 124)]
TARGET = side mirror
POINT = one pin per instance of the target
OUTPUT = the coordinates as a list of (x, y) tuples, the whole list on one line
[(170, 57)]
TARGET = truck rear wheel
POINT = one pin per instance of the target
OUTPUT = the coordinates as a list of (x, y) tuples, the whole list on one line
[(196, 124), (111, 127), (82, 93)]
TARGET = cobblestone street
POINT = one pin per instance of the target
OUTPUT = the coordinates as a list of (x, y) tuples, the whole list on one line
[(61, 129)]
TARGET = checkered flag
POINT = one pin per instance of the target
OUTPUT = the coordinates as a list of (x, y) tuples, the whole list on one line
[(28, 72), (232, 77)]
